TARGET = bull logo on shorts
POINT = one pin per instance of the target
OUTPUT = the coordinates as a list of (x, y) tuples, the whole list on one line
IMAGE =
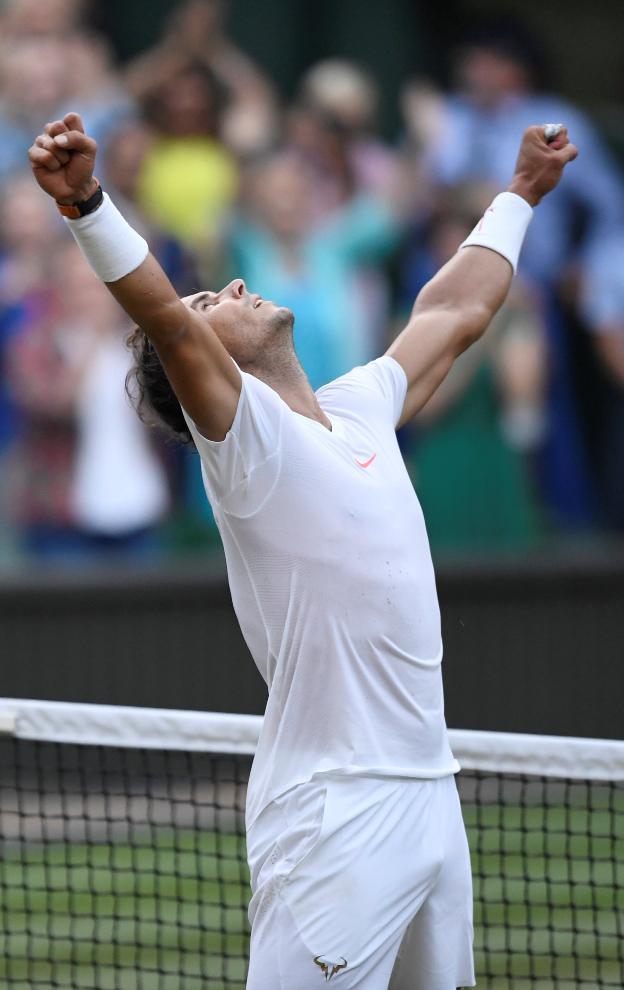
[(330, 969)]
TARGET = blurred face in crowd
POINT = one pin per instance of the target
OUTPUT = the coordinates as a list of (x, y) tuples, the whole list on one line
[(249, 129), (341, 91), (84, 299), (487, 76), (124, 157), (322, 138), (197, 21), (256, 332), (88, 62), (281, 193), (187, 104), (28, 224), (49, 17), (34, 77)]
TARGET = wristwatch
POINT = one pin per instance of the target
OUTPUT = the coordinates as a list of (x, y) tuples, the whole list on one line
[(73, 211)]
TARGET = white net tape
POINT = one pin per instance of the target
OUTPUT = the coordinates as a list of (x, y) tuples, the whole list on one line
[(213, 732)]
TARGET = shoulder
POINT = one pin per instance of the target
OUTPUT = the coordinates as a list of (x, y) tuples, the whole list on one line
[(241, 470), (379, 386), (256, 424)]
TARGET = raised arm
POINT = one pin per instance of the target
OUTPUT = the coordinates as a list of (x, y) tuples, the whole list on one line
[(455, 308), (202, 374)]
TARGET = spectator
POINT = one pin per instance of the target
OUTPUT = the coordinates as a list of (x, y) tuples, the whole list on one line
[(119, 493), (188, 178), (351, 173), (28, 231), (27, 236), (332, 126), (52, 19), (93, 85), (33, 81), (84, 477), (475, 138), (192, 525), (603, 308), (123, 160), (313, 267), (195, 32), (51, 64), (471, 458)]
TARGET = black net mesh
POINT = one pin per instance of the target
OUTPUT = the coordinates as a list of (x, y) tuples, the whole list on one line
[(548, 873), (124, 869)]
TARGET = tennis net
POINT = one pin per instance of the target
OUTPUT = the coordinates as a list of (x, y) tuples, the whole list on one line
[(123, 851)]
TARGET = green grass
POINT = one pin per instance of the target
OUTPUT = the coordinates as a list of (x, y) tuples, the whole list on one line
[(171, 915), (549, 893), (76, 915)]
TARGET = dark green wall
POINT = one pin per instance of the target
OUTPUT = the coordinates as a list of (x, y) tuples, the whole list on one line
[(582, 41), (392, 38), (532, 648)]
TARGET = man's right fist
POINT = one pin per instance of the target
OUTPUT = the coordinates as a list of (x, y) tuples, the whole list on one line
[(63, 159)]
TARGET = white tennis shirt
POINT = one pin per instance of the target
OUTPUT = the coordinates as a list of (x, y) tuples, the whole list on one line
[(332, 582)]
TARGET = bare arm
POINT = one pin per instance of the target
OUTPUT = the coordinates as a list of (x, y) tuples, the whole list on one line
[(455, 308), (202, 374), (450, 313)]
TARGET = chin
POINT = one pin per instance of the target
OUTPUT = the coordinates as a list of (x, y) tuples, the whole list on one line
[(281, 315)]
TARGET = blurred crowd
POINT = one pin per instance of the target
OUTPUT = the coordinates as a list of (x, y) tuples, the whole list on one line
[(524, 442)]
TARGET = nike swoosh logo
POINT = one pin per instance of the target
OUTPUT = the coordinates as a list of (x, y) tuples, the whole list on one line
[(367, 463)]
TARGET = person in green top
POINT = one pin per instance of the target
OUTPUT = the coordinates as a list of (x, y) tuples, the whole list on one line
[(470, 455)]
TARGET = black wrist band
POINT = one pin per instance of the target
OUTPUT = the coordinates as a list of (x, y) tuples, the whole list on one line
[(84, 206)]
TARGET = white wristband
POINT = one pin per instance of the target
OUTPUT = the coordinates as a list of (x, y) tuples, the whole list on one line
[(111, 246), (502, 227)]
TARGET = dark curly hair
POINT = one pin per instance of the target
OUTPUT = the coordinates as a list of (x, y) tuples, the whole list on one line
[(150, 392)]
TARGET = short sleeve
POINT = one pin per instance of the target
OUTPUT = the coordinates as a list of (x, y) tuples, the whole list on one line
[(241, 471), (391, 380), (383, 380)]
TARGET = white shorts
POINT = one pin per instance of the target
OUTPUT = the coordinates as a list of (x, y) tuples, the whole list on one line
[(364, 882)]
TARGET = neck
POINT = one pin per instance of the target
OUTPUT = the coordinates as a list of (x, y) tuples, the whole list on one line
[(288, 379)]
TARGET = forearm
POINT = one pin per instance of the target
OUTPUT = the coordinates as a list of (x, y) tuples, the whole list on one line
[(473, 285), (204, 378), (149, 299), (475, 282), (120, 257), (63, 160), (455, 308)]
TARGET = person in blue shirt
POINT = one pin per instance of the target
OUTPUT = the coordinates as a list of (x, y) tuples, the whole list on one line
[(468, 135), (602, 305), (317, 266)]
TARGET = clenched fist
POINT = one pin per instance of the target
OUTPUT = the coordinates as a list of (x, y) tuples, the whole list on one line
[(540, 165), (63, 158)]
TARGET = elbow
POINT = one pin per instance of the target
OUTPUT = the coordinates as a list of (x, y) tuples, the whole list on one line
[(472, 322), (466, 321), (168, 327)]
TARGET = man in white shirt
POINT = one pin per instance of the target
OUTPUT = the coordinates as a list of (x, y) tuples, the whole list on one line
[(359, 861)]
